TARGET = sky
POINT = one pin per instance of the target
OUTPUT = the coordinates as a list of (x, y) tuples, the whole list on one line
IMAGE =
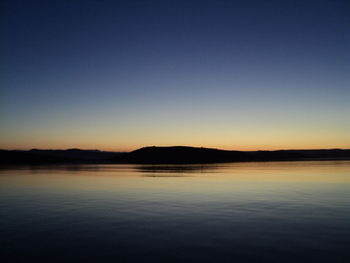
[(119, 75)]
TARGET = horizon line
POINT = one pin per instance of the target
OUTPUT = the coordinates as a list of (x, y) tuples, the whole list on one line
[(85, 149)]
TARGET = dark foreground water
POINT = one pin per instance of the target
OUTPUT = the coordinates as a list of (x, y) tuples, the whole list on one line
[(243, 212)]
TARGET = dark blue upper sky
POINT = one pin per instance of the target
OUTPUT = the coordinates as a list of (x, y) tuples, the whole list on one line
[(122, 74)]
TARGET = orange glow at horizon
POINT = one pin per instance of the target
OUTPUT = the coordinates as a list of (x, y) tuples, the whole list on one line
[(126, 148), (245, 137)]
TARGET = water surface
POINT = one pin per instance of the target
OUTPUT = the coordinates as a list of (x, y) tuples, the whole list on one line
[(238, 212)]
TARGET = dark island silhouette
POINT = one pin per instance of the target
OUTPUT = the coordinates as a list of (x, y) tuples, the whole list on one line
[(166, 155)]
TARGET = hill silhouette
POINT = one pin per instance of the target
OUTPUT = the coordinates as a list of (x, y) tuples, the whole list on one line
[(166, 155), (184, 154)]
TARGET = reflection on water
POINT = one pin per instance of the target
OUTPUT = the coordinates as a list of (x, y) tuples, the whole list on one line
[(161, 170), (244, 212)]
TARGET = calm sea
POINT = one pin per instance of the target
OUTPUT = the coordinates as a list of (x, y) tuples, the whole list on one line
[(238, 212)]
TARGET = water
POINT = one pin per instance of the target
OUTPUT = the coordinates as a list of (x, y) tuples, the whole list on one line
[(239, 212)]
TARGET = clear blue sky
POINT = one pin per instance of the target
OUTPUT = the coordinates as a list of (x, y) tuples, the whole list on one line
[(118, 75)]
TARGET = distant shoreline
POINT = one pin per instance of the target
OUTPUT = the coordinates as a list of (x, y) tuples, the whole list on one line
[(167, 155)]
